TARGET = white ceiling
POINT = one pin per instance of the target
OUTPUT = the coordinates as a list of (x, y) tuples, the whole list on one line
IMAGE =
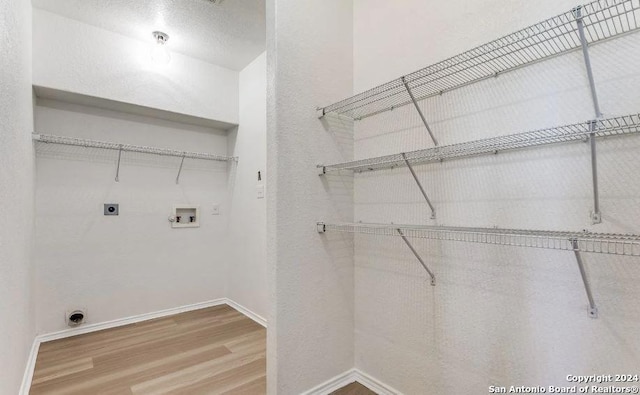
[(230, 34)]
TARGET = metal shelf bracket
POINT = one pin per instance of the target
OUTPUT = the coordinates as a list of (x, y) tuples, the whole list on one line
[(118, 165), (180, 170), (415, 103), (596, 218), (593, 310), (577, 12), (321, 227), (415, 177), (433, 277)]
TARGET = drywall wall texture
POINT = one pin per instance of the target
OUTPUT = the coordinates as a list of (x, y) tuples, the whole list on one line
[(310, 337), (119, 266), (247, 268), (16, 193), (498, 315), (76, 57)]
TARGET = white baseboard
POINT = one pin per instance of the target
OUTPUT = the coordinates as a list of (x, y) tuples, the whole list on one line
[(257, 318), (31, 362), (349, 377), (374, 384), (333, 384), (127, 320), (31, 365)]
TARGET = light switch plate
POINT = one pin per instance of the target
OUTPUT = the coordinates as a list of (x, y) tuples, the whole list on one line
[(260, 191), (215, 210)]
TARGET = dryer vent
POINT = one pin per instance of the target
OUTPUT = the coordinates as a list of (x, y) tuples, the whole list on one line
[(75, 317)]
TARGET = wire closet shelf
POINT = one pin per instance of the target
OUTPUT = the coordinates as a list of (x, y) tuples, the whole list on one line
[(602, 19), (576, 132), (47, 138), (603, 243)]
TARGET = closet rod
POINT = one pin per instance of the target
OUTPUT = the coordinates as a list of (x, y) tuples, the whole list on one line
[(51, 139)]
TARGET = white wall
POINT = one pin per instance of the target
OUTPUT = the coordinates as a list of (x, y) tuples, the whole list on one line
[(16, 193), (133, 263), (80, 58), (310, 337), (247, 270), (499, 315)]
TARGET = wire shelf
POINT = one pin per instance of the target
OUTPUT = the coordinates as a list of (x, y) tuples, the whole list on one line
[(601, 128), (46, 138), (603, 19), (603, 243)]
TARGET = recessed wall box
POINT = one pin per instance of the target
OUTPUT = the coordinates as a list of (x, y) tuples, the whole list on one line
[(111, 209), (185, 216)]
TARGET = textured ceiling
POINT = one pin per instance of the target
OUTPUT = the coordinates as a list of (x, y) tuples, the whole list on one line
[(229, 34)]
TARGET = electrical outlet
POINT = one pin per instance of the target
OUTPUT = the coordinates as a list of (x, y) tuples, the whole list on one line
[(111, 209), (215, 210)]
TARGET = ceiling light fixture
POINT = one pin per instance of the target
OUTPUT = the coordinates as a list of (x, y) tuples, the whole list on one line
[(160, 53)]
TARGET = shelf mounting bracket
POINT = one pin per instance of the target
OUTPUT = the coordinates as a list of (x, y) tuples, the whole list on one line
[(415, 177), (433, 278), (587, 61), (415, 103), (596, 217), (593, 310), (118, 165), (180, 170)]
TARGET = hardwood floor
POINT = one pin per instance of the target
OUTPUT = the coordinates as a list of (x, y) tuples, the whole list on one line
[(354, 389), (209, 351)]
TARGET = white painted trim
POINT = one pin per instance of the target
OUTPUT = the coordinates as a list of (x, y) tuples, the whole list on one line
[(29, 369), (128, 320), (349, 377), (333, 384), (31, 362), (374, 384), (257, 318)]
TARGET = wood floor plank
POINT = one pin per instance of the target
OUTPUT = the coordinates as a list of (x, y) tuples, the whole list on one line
[(226, 381), (194, 373), (212, 350), (62, 369), (255, 387), (353, 389)]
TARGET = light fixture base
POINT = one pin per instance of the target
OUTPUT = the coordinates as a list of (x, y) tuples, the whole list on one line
[(160, 37)]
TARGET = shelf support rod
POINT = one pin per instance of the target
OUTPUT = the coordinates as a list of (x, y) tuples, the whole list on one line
[(118, 166), (433, 278), (596, 217), (587, 60), (593, 310), (415, 177), (180, 170), (415, 103)]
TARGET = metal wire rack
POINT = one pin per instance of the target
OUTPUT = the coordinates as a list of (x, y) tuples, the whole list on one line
[(603, 243), (580, 131), (47, 138), (601, 20)]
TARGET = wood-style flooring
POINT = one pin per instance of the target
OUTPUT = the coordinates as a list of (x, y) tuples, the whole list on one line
[(354, 389), (215, 350)]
